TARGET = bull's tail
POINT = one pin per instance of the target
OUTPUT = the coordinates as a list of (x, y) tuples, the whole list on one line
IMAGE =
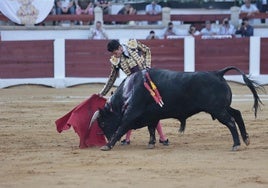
[(252, 85)]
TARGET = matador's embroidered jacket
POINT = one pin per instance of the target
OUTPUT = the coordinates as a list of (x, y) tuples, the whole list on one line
[(136, 56)]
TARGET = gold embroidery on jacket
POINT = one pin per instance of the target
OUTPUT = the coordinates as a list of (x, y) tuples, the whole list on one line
[(115, 61), (138, 55)]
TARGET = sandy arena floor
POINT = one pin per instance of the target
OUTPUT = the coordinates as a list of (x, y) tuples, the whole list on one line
[(34, 154)]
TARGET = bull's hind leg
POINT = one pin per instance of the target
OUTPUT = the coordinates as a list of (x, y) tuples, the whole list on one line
[(225, 118), (240, 122)]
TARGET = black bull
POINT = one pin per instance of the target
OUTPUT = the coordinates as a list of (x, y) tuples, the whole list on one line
[(184, 94)]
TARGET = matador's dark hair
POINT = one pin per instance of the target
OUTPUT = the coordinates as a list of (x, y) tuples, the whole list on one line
[(113, 45)]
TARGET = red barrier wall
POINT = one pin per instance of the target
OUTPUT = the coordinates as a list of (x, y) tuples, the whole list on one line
[(167, 54), (87, 58), (264, 56), (26, 59), (212, 54)]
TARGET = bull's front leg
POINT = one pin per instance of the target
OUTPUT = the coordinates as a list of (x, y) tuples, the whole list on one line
[(152, 140), (116, 137)]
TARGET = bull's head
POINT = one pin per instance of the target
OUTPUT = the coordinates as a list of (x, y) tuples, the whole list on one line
[(108, 121)]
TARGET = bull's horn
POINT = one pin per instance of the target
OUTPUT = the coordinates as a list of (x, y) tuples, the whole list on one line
[(94, 117)]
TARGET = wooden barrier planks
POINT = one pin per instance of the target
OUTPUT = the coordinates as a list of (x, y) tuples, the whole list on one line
[(26, 59), (87, 58), (264, 56), (167, 53), (213, 54), (90, 58)]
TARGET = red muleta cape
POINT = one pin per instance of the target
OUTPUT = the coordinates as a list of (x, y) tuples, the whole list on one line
[(79, 118)]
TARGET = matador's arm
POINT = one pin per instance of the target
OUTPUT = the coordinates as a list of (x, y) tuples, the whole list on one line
[(110, 82), (147, 53)]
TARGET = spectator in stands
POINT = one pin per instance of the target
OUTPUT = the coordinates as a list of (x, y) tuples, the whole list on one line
[(208, 30), (263, 7), (153, 9), (250, 9), (53, 9), (226, 28), (83, 7), (193, 31), (98, 32), (245, 30), (128, 9), (65, 7), (169, 31), (104, 4), (53, 12), (152, 35)]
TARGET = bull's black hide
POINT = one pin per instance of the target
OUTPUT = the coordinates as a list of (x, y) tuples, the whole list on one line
[(184, 94)]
